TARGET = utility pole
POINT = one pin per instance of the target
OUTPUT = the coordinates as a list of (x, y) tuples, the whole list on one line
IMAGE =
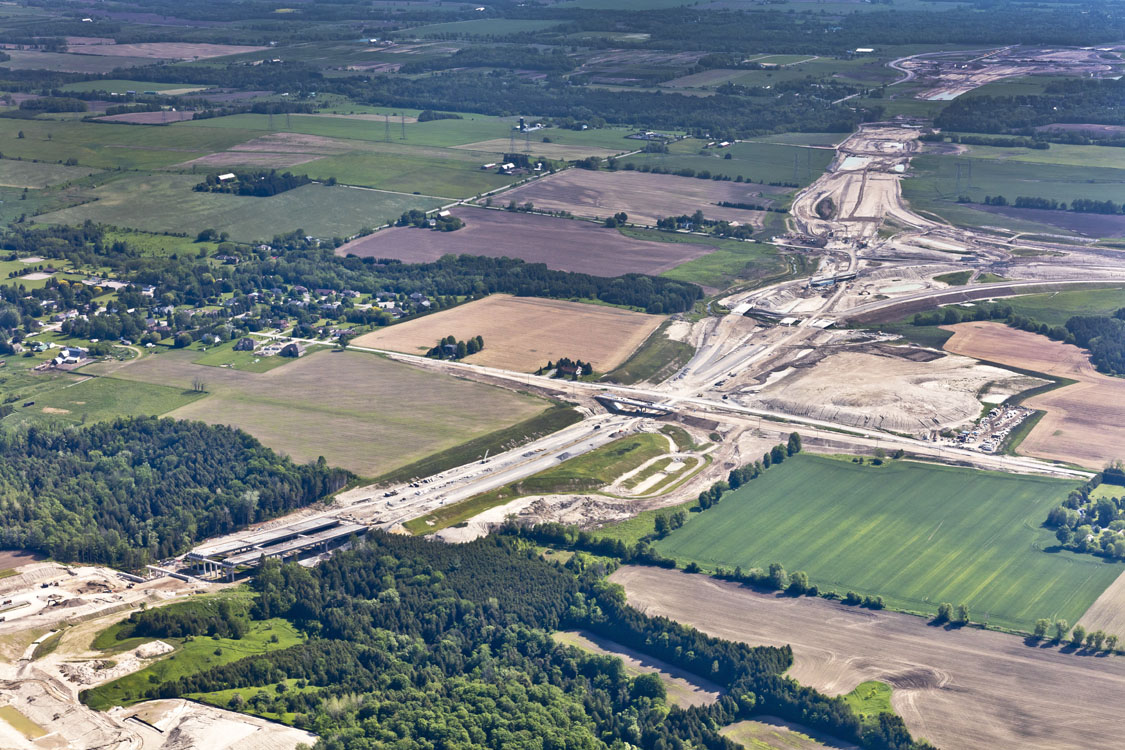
[(387, 128), (402, 120)]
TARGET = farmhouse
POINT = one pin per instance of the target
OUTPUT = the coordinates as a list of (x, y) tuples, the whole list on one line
[(244, 345), (292, 349)]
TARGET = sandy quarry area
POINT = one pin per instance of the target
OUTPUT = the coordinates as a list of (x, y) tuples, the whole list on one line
[(879, 386), (524, 333), (959, 689), (1085, 422), (645, 197)]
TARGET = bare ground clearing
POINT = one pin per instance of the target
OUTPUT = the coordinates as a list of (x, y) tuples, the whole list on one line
[(524, 333), (684, 689), (1084, 422), (645, 197), (873, 388), (163, 50), (959, 689), (546, 150), (562, 244)]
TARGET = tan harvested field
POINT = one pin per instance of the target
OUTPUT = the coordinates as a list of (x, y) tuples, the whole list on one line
[(562, 244), (524, 333), (250, 159), (960, 689), (877, 389), (149, 118), (684, 689), (277, 150), (546, 150), (360, 411), (1107, 613), (394, 119), (163, 50), (1085, 422), (645, 197)]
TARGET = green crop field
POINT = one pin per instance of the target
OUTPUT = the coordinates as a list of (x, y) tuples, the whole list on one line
[(20, 174), (731, 260), (120, 86), (1059, 153), (451, 173), (67, 63), (915, 534), (360, 411), (113, 145), (96, 399), (167, 203), (1056, 307), (935, 177), (756, 162), (478, 27)]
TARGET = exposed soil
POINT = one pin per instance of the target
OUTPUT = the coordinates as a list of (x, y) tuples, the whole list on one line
[(1085, 422), (163, 50), (960, 689), (645, 197), (562, 244)]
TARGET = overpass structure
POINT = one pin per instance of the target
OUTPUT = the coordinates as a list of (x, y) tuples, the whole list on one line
[(627, 405), (289, 541)]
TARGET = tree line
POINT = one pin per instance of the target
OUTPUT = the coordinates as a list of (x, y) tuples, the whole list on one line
[(260, 183)]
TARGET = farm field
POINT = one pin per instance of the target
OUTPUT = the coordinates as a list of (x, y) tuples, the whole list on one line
[(915, 534), (481, 27), (731, 260), (684, 689), (167, 203), (1084, 423), (26, 174), (959, 689), (121, 85), (429, 171), (755, 162), (548, 150), (932, 185), (1056, 308), (524, 333), (163, 50), (563, 244), (644, 197), (63, 62), (362, 412), (96, 399)]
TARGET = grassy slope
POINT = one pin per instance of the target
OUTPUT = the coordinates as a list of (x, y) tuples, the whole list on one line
[(915, 534), (658, 358)]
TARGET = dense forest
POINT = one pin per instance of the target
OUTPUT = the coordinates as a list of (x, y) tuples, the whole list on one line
[(1099, 102), (420, 645), (132, 491)]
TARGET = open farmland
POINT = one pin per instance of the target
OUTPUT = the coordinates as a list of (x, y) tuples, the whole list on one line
[(167, 203), (960, 689), (163, 117), (163, 50), (644, 197), (1056, 308), (684, 689), (916, 534), (563, 244), (359, 411), (26, 174), (1085, 422), (67, 63), (756, 162), (548, 150), (524, 333)]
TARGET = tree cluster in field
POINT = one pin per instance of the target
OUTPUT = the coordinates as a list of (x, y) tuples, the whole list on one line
[(619, 219), (697, 222), (1078, 205), (429, 115), (260, 183), (53, 104), (752, 207), (567, 367), (132, 491), (946, 614), (1091, 640), (452, 348), (224, 618), (1083, 524), (419, 645), (422, 220)]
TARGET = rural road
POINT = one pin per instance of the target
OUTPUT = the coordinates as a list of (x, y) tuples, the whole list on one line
[(960, 689)]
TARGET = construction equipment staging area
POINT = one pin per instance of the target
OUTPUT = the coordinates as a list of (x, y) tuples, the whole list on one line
[(283, 542)]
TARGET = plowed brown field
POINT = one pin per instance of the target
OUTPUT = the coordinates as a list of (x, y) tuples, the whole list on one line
[(1084, 423), (523, 333), (960, 689)]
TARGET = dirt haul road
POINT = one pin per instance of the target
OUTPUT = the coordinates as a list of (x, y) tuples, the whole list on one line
[(959, 689)]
